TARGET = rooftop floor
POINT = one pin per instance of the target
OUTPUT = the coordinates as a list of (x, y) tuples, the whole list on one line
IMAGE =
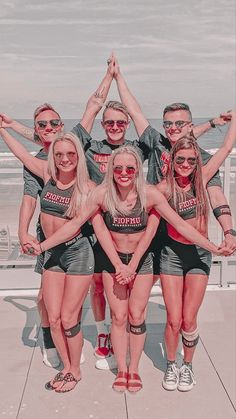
[(23, 374)]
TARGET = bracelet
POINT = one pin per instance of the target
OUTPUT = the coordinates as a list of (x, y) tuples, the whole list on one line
[(230, 231), (41, 248), (212, 124)]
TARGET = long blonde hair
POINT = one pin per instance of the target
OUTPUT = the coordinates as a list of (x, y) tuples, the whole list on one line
[(202, 208), (81, 186), (113, 201)]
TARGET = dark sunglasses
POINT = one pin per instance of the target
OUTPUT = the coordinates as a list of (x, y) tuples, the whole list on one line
[(192, 161), (178, 124), (110, 123), (53, 122), (129, 170)]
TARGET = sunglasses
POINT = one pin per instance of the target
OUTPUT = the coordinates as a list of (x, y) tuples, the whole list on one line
[(110, 123), (53, 122), (178, 124), (192, 161), (71, 155), (129, 170)]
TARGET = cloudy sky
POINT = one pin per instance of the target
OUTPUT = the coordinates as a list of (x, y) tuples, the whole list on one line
[(168, 51)]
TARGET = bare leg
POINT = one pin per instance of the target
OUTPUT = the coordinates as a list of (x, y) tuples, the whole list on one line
[(194, 291), (76, 290), (172, 288), (139, 295), (117, 296), (53, 291)]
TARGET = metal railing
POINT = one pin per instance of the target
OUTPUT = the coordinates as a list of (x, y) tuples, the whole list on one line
[(223, 272)]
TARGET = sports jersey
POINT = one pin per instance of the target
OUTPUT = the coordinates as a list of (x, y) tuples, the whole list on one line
[(158, 148), (97, 153)]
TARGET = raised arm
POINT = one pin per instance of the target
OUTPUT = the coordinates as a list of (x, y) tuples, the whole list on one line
[(16, 126), (201, 129), (27, 209), (96, 101), (211, 167), (37, 166), (127, 98)]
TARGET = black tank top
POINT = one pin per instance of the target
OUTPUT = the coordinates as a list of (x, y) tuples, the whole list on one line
[(126, 224), (55, 201), (187, 208)]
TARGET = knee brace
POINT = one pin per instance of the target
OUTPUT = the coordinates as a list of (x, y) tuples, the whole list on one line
[(138, 330), (190, 339), (73, 331), (221, 210)]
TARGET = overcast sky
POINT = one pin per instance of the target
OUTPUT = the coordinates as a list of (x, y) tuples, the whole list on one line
[(168, 51)]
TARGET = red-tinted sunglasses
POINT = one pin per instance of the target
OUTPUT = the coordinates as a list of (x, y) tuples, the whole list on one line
[(129, 170)]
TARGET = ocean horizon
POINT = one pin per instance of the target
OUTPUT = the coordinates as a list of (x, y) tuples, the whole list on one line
[(210, 141)]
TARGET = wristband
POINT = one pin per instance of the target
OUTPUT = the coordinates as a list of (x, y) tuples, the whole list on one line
[(221, 210), (230, 231), (212, 124)]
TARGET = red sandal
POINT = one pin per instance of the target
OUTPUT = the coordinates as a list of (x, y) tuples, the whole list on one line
[(120, 383), (134, 383)]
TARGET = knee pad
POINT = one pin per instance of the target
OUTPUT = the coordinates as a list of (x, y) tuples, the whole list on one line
[(138, 330), (73, 331), (190, 339)]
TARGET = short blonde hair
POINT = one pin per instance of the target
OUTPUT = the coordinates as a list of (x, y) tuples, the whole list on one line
[(116, 106)]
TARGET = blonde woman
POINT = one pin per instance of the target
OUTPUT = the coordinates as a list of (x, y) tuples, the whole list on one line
[(126, 204), (68, 268), (184, 266)]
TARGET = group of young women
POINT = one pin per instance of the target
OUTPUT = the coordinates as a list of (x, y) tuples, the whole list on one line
[(125, 213)]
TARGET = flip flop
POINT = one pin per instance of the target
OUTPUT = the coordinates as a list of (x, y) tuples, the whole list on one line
[(68, 378), (57, 379)]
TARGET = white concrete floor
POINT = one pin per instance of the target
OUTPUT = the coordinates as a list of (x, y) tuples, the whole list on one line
[(23, 374)]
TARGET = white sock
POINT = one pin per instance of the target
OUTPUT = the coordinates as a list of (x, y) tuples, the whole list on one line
[(101, 328)]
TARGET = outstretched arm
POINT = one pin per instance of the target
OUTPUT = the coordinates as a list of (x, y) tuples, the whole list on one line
[(127, 98), (21, 129), (96, 101), (72, 227), (36, 166), (186, 230), (105, 239), (144, 243)]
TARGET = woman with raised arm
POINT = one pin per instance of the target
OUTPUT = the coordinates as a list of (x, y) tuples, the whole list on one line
[(68, 268), (185, 267), (125, 203)]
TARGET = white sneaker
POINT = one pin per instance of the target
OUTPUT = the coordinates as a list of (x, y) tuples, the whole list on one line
[(186, 378), (171, 377), (82, 358), (108, 363), (50, 357)]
